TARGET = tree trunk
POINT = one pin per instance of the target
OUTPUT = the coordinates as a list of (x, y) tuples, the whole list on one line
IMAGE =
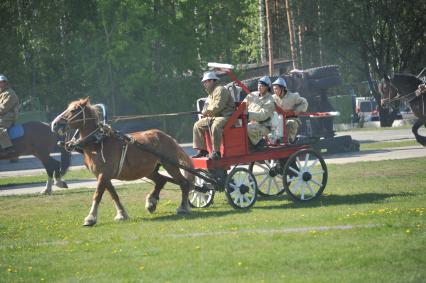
[(262, 31), (291, 33), (270, 51)]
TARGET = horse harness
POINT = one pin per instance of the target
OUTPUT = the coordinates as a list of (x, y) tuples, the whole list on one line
[(405, 96), (97, 137)]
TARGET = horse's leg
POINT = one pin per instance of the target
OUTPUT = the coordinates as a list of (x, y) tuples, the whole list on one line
[(420, 139), (153, 197), (49, 164), (121, 212), (184, 186), (97, 197)]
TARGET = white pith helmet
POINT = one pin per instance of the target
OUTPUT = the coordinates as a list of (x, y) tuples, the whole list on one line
[(3, 78), (266, 80), (280, 82), (210, 75)]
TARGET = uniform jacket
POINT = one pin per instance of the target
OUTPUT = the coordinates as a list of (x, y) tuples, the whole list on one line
[(9, 105), (260, 108), (292, 101), (219, 103)]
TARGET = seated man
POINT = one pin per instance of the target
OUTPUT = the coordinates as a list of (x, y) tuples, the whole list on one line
[(260, 109), (220, 107), (9, 105), (289, 101)]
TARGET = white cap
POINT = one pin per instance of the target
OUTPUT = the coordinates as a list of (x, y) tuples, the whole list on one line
[(210, 75), (3, 78), (266, 80), (280, 82)]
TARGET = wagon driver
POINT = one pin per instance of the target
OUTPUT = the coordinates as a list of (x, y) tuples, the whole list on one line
[(9, 106), (289, 101), (219, 107)]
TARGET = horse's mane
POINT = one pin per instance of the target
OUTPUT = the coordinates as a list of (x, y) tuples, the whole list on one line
[(93, 110), (406, 82)]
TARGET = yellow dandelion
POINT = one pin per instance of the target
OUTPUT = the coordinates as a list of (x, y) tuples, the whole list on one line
[(407, 231), (240, 263), (141, 267)]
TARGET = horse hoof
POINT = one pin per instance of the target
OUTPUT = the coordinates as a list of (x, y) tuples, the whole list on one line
[(181, 210), (89, 221), (121, 217), (151, 209), (46, 192), (62, 184), (150, 204)]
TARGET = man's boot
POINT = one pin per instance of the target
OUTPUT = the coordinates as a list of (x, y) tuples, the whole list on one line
[(201, 153), (215, 155)]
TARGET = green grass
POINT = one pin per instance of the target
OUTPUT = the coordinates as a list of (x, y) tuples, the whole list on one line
[(383, 145), (42, 238), (83, 174)]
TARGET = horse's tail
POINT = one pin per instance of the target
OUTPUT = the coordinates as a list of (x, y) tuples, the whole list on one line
[(65, 161), (184, 158)]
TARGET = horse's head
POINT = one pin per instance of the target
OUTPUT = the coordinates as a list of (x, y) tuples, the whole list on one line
[(79, 115)]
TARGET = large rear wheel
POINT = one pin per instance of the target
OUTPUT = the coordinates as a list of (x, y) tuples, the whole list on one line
[(305, 175)]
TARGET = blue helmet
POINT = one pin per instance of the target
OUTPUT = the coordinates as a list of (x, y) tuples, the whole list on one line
[(281, 82), (265, 80)]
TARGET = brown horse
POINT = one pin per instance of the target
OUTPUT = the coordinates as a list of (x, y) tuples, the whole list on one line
[(36, 139), (108, 157), (403, 87)]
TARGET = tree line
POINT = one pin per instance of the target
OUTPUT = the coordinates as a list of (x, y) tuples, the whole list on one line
[(144, 57)]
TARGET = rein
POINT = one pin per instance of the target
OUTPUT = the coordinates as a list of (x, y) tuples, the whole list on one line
[(132, 117)]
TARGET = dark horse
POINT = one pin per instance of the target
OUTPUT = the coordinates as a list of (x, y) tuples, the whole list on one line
[(403, 86), (108, 157), (38, 140)]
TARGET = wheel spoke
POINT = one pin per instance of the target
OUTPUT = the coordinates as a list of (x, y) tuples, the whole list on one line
[(294, 170), (316, 182), (263, 181), (302, 197), (313, 163), (317, 172), (306, 161), (310, 189)]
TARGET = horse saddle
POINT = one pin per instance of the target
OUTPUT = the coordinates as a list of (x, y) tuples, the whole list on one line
[(16, 131)]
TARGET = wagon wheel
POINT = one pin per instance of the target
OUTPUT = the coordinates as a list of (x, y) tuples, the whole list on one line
[(305, 175), (269, 177), (241, 188), (203, 193)]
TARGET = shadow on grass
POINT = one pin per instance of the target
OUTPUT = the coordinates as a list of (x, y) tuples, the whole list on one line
[(331, 200)]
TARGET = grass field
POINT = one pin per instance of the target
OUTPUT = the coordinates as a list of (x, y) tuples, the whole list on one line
[(369, 226), (81, 174)]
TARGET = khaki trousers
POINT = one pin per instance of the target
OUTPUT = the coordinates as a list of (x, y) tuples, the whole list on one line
[(216, 125), (292, 126), (256, 131), (4, 137)]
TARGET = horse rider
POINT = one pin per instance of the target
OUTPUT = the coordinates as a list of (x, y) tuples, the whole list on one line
[(217, 110), (9, 106), (289, 101), (260, 109)]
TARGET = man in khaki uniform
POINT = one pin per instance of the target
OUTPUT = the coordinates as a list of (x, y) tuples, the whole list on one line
[(260, 109), (9, 105), (217, 110), (289, 101)]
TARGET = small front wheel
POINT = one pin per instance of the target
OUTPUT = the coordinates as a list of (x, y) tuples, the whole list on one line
[(203, 194), (241, 188), (305, 175)]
